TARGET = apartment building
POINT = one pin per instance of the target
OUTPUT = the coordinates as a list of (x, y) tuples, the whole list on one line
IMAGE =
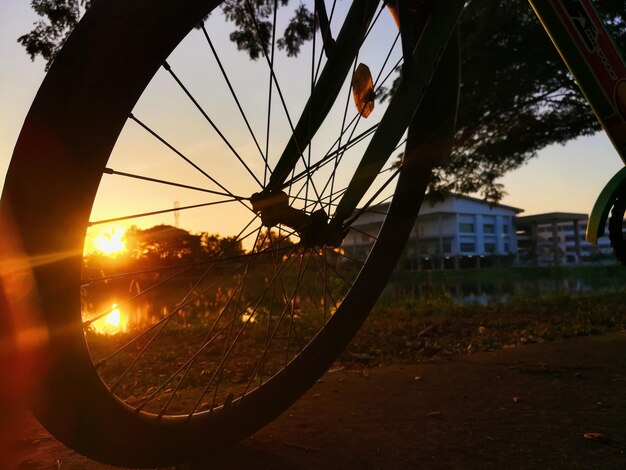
[(458, 232), (556, 239)]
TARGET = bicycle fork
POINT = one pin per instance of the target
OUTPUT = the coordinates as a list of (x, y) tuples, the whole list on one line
[(425, 99)]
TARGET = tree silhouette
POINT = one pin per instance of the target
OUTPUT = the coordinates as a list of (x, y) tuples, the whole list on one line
[(164, 245), (516, 96)]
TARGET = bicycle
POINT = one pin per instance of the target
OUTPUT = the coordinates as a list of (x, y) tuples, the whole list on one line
[(290, 306)]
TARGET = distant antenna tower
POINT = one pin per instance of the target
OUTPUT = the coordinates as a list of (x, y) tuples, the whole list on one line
[(176, 213)]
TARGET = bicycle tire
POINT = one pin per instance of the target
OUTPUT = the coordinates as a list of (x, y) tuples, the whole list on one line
[(69, 133)]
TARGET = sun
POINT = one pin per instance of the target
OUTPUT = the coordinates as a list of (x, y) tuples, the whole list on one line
[(110, 242)]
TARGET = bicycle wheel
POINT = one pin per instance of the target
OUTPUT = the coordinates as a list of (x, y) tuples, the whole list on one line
[(238, 325)]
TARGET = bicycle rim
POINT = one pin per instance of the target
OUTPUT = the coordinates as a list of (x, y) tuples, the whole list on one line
[(254, 320)]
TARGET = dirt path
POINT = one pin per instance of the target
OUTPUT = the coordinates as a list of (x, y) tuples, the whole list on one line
[(526, 407)]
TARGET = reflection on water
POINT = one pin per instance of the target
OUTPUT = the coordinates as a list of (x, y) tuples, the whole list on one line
[(119, 316), (485, 292), (110, 324), (124, 317)]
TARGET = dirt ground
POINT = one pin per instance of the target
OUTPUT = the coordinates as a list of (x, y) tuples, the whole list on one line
[(525, 407)]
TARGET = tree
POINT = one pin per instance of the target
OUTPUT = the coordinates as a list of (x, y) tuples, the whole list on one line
[(59, 17), (225, 247), (516, 96), (163, 243), (163, 246), (166, 243), (272, 241)]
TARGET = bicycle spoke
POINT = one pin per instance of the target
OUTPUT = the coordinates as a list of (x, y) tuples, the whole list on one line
[(278, 89), (335, 304), (177, 152), (209, 324), (87, 323), (167, 67), (323, 274), (234, 95), (272, 303), (330, 155), (364, 209), (162, 211), (238, 238), (338, 157), (312, 87), (162, 320), (257, 302), (156, 333), (277, 263), (181, 265), (110, 171), (250, 316), (269, 94), (272, 336), (173, 376), (230, 273), (372, 237), (346, 282), (205, 344), (269, 63), (349, 258), (207, 340), (293, 302)]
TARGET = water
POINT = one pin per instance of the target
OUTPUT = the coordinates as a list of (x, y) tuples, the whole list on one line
[(480, 287), (487, 291)]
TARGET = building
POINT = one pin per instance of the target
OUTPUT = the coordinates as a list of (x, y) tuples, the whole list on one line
[(557, 238), (458, 232)]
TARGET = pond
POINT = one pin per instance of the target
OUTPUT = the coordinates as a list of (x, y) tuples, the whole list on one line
[(116, 314), (492, 286)]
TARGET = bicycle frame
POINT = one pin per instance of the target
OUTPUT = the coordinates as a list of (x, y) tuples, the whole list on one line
[(427, 54), (423, 62), (576, 31), (586, 47), (593, 59)]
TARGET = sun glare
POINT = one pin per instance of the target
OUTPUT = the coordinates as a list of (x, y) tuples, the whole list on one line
[(114, 317), (112, 323), (110, 242)]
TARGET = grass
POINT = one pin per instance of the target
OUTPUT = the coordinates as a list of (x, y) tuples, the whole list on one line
[(402, 328), (435, 327), (599, 273)]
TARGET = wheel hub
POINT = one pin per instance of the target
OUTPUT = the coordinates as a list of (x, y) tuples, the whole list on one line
[(314, 229)]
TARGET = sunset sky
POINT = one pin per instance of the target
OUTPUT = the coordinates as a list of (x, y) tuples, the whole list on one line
[(563, 178)]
